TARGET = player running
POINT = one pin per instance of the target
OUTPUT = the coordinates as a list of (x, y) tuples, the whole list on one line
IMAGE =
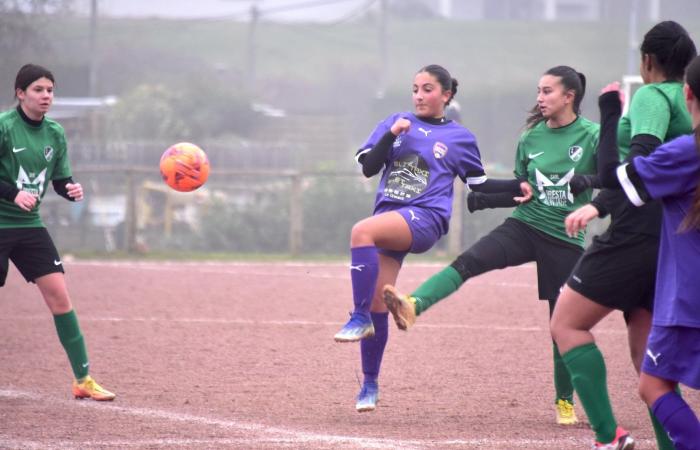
[(555, 156), (420, 154), (33, 153), (618, 270)]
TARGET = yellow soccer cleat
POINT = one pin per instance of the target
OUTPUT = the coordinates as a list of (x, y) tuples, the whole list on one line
[(565, 412), (89, 388), (402, 307)]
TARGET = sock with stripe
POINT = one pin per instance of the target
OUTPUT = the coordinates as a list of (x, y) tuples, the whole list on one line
[(372, 348), (364, 269), (437, 287), (589, 377), (72, 341), (678, 419)]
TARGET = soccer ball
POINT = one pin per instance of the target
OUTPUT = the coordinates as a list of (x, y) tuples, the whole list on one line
[(184, 167)]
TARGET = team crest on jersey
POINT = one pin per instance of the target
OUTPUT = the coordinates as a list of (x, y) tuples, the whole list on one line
[(48, 153), (439, 150), (575, 153)]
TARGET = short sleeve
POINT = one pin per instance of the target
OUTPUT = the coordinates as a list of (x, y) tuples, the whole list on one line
[(62, 169), (650, 113), (520, 170), (671, 170)]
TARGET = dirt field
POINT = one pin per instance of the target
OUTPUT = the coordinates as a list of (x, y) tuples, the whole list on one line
[(226, 355)]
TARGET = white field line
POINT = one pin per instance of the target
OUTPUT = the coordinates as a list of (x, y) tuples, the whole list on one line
[(264, 434)]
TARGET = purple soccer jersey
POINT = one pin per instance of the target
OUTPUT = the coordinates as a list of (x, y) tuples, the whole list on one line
[(422, 165), (671, 173)]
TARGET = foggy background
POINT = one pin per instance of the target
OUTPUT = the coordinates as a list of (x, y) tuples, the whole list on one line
[(280, 94)]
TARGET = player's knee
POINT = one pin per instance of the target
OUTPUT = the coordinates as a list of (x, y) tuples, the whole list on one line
[(360, 235)]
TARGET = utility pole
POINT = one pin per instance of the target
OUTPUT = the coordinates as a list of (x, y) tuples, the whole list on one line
[(252, 70), (92, 76), (633, 50)]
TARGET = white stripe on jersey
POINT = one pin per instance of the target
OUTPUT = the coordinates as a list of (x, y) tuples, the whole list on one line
[(360, 153), (627, 185), (477, 180)]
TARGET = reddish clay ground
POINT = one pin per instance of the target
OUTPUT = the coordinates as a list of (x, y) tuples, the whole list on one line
[(242, 356)]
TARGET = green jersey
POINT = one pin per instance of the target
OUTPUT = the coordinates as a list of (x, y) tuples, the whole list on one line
[(30, 157), (548, 158), (657, 109)]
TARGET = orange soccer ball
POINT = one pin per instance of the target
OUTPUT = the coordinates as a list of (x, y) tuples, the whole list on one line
[(184, 167)]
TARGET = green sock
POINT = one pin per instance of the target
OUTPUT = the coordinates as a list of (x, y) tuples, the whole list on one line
[(437, 287), (72, 340), (562, 379), (663, 442), (588, 374)]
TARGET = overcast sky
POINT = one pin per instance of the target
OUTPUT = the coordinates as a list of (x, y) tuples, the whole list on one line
[(283, 10)]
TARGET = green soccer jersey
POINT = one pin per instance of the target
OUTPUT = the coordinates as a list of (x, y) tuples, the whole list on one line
[(657, 109), (548, 158), (30, 157)]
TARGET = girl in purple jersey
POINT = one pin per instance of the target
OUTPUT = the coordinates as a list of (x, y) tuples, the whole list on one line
[(420, 153), (670, 174)]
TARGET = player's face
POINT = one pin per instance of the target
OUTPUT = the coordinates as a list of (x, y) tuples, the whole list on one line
[(552, 98), (428, 96), (37, 99)]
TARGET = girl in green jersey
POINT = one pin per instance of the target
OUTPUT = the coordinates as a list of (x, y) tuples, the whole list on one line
[(556, 150), (618, 270), (32, 153)]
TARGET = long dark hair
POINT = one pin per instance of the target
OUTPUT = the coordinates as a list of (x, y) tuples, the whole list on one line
[(444, 78), (692, 78), (572, 81), (670, 45), (28, 74)]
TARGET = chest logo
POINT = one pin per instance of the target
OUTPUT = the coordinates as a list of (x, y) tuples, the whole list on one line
[(439, 150), (48, 153), (575, 153), (424, 131), (534, 155), (17, 150)]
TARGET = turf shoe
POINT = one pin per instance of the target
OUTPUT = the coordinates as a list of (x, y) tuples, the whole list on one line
[(402, 307), (359, 326), (622, 441), (88, 388), (368, 397), (565, 412)]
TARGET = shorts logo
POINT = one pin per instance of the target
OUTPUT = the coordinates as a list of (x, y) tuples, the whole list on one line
[(439, 150), (653, 357), (48, 153), (575, 153), (57, 263)]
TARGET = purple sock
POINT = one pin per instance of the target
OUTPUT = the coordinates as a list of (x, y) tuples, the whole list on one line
[(364, 268), (372, 349), (678, 420)]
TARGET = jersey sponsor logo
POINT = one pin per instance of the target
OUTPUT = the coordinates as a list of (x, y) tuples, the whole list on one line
[(653, 357), (534, 155), (554, 190), (17, 150), (575, 153), (31, 184), (407, 178), (426, 132), (48, 153), (57, 262), (439, 150)]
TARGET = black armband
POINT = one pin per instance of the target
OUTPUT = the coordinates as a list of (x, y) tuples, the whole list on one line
[(477, 201), (373, 161), (60, 187), (8, 191), (491, 186)]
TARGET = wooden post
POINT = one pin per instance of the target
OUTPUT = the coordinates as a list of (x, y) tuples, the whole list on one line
[(130, 214), (454, 237), (296, 215)]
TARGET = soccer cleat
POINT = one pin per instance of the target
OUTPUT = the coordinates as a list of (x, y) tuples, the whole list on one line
[(402, 307), (622, 441), (89, 388), (565, 412), (358, 327), (368, 397)]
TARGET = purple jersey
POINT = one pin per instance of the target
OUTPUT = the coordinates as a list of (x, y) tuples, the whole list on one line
[(422, 165), (671, 173)]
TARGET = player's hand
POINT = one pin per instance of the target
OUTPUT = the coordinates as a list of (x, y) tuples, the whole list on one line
[(577, 220), (75, 191), (614, 87), (526, 189), (25, 200), (401, 126)]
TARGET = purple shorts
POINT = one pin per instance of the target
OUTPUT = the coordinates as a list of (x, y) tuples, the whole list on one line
[(673, 353), (425, 230)]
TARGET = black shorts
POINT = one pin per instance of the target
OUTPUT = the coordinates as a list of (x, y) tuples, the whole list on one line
[(619, 274), (31, 250), (514, 243)]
